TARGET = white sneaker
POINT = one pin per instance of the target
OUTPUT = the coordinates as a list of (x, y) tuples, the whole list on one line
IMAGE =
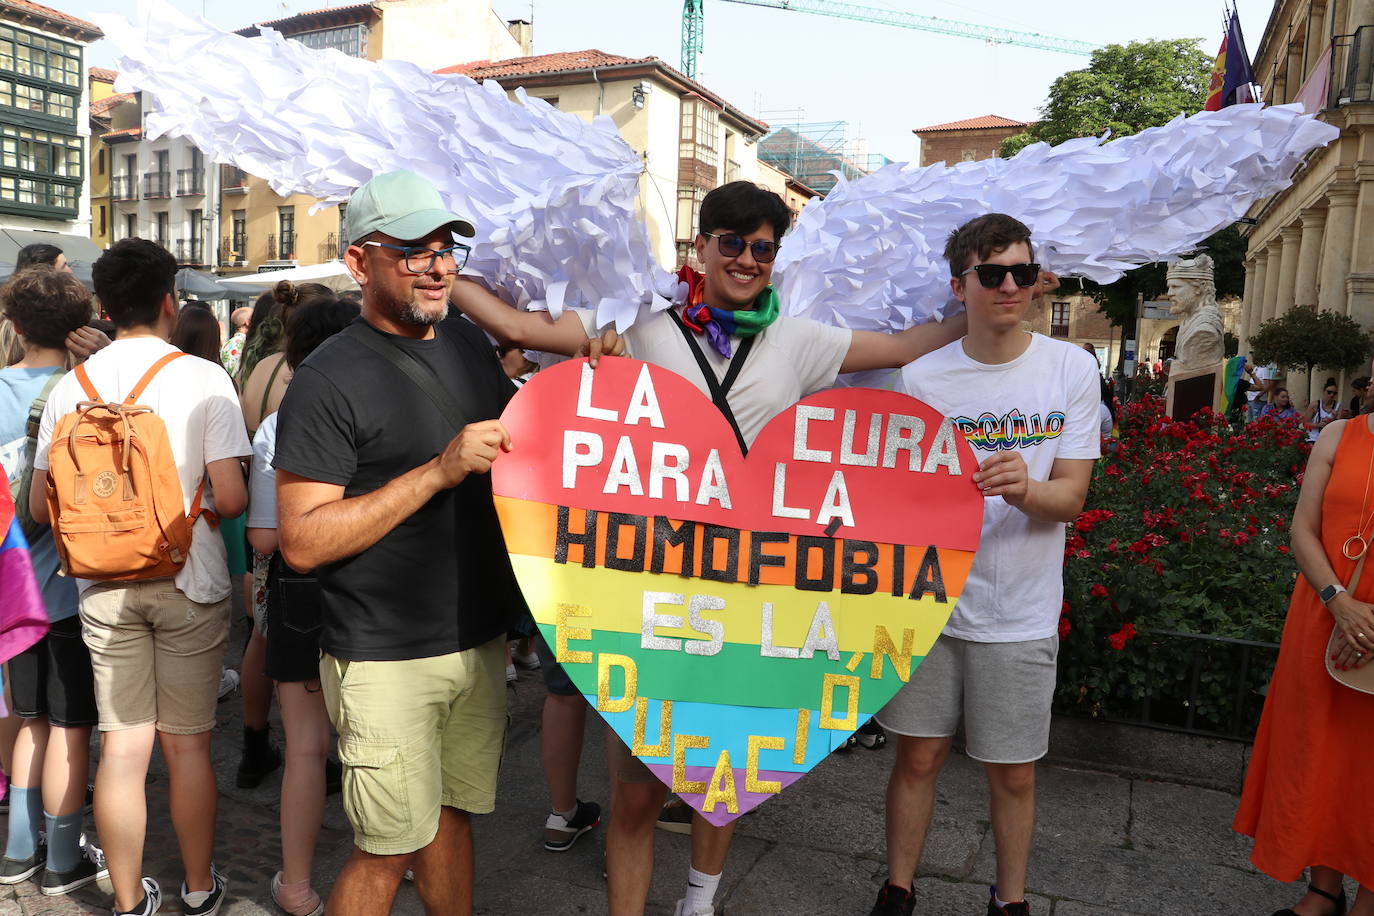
[(699, 911), (228, 683), (529, 661)]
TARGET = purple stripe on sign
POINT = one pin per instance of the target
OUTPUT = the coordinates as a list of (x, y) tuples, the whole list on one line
[(722, 815)]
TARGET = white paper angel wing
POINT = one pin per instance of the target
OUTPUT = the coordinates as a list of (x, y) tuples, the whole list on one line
[(870, 255), (553, 197)]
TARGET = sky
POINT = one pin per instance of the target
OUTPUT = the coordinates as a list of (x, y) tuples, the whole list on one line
[(787, 66)]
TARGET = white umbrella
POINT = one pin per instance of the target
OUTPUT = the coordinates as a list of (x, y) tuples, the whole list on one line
[(332, 274)]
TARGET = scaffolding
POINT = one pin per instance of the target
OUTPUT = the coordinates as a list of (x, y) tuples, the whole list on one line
[(812, 151)]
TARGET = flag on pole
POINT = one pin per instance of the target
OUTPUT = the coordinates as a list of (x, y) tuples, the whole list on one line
[(1312, 95), (1232, 79)]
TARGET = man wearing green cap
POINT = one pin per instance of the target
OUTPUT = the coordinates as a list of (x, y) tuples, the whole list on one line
[(384, 441)]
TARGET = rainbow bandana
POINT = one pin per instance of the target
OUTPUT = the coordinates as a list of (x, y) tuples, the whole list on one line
[(719, 324)]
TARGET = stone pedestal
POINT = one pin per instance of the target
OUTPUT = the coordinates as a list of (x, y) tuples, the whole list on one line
[(1190, 390)]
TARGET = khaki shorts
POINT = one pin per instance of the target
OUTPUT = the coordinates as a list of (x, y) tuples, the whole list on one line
[(156, 655), (415, 735)]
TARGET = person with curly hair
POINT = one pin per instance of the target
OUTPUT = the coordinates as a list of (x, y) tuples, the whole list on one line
[(51, 683)]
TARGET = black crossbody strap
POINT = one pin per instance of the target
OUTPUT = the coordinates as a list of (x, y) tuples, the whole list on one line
[(719, 388), (421, 375)]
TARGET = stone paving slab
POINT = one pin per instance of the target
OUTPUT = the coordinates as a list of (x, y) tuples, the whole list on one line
[(1106, 845)]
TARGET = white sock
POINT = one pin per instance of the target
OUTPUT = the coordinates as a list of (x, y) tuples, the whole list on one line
[(1001, 904), (567, 815), (701, 891)]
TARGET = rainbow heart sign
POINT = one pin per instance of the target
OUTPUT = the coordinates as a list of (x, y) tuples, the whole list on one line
[(733, 619)]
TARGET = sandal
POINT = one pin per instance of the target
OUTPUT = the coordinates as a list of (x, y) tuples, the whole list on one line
[(1339, 900)]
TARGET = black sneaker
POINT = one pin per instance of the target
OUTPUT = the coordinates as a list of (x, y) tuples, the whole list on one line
[(13, 871), (560, 834), (90, 868), (260, 758), (204, 903), (152, 899), (871, 735), (333, 776), (893, 901), (676, 816), (1019, 908)]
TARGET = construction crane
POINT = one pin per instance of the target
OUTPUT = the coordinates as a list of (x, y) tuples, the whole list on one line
[(694, 26)]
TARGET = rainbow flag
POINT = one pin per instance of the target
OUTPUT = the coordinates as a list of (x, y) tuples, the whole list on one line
[(23, 618)]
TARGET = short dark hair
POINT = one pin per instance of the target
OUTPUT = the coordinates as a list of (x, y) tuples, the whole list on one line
[(742, 206), (982, 236), (197, 332), (46, 304), (1361, 382), (40, 254), (131, 278), (312, 323)]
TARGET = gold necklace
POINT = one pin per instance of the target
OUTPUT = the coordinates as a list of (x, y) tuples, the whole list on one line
[(1358, 536)]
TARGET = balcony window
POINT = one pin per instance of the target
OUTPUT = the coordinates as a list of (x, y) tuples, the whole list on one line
[(350, 39), (40, 169), (51, 102), (40, 58), (286, 224), (1059, 319), (698, 136)]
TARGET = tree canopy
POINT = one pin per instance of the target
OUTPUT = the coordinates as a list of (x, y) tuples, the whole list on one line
[(1304, 338), (1125, 89)]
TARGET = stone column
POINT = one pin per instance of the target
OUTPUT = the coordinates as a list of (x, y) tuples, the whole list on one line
[(1273, 254), (1338, 245), (1247, 306), (1288, 268), (1305, 286)]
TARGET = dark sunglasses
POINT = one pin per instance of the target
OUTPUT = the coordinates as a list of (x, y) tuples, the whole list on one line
[(992, 275), (732, 245)]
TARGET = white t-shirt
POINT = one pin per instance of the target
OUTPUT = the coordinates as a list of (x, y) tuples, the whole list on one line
[(1262, 375), (262, 477), (197, 403), (1045, 404), (791, 358), (1104, 420)]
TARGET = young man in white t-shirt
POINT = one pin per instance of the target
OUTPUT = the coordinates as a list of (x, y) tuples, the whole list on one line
[(1029, 406), (731, 318), (157, 644)]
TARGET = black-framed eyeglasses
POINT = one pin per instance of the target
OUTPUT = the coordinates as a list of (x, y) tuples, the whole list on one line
[(992, 275), (732, 245), (420, 260)]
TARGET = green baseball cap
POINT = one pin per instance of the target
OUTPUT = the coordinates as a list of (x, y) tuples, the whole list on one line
[(403, 205)]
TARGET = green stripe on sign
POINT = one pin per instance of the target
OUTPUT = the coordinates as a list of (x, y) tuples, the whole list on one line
[(738, 675)]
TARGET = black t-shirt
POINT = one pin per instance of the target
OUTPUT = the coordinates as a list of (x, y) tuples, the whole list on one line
[(441, 581)]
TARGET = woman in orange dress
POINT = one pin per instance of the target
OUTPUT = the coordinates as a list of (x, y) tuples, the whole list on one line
[(1309, 794)]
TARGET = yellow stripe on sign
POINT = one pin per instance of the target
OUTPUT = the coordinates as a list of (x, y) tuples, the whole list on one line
[(615, 600)]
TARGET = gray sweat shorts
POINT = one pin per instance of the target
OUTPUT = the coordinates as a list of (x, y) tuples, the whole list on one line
[(1000, 690)]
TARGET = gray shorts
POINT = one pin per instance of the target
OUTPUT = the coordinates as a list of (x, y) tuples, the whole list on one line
[(1001, 690)]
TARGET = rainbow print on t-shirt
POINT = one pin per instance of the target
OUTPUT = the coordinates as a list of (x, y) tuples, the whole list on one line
[(1014, 429)]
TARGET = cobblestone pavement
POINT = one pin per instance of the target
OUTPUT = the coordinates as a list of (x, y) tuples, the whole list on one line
[(1104, 844)]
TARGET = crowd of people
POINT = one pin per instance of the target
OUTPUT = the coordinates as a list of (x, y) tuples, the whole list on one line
[(335, 446)]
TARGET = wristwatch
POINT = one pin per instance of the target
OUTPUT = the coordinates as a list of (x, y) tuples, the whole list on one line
[(1331, 591)]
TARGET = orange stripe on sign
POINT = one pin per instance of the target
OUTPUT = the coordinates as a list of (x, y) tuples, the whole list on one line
[(636, 543)]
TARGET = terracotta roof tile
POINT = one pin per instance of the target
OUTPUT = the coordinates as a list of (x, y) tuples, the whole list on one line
[(982, 123), (103, 107), (543, 63), (351, 8), (104, 75), (117, 136), (26, 6)]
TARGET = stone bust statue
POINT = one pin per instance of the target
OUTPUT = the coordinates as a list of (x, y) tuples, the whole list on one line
[(1193, 297)]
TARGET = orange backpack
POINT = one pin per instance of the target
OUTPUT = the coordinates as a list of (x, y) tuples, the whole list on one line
[(113, 490)]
